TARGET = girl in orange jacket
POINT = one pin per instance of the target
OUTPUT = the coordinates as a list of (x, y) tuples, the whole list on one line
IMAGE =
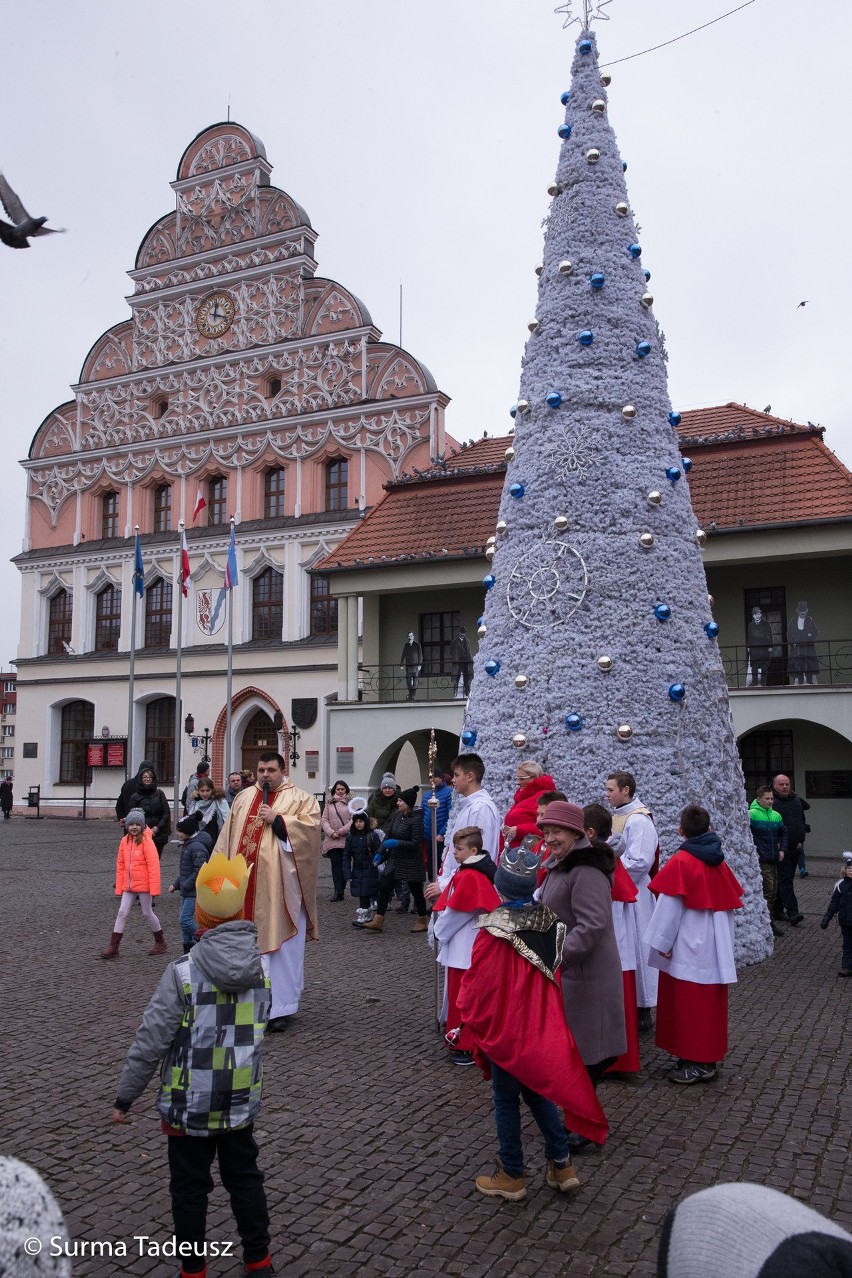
[(137, 873)]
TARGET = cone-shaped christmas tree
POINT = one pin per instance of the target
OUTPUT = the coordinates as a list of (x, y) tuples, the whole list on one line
[(598, 648)]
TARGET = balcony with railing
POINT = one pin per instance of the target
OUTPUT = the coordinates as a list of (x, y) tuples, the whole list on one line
[(824, 663), (389, 683)]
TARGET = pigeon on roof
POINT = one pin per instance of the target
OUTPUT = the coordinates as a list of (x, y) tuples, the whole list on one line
[(18, 233)]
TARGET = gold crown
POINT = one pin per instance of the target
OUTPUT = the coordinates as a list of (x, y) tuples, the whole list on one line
[(220, 889)]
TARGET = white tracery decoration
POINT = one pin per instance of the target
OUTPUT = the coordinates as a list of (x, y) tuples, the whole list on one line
[(547, 585)]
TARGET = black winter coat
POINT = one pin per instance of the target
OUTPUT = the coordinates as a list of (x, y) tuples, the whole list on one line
[(840, 904), (122, 803), (193, 854), (792, 812), (408, 863), (158, 815), (358, 852)]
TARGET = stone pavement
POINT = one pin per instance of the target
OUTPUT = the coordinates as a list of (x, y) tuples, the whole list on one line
[(370, 1139)]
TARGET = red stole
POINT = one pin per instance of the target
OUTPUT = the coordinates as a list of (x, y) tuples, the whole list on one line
[(249, 847)]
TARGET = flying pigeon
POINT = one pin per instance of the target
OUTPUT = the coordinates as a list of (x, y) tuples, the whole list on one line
[(22, 226), (803, 303)]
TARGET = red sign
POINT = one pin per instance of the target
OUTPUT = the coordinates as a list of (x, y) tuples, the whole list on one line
[(106, 754), (95, 756), (115, 754)]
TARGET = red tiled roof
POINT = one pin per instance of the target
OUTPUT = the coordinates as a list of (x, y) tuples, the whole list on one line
[(749, 469)]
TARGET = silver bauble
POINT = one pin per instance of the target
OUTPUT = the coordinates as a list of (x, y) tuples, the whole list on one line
[(699, 537), (710, 600), (606, 79), (539, 269), (646, 540), (624, 732), (482, 632), (605, 664), (489, 552), (566, 267), (593, 155), (534, 326), (654, 498), (519, 741), (647, 300), (509, 454), (523, 406), (622, 209), (598, 106), (628, 412), (560, 523), (554, 189), (521, 680), (501, 526)]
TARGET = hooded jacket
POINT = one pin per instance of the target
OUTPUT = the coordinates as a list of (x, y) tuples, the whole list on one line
[(768, 832), (122, 803), (217, 997), (137, 866), (193, 854)]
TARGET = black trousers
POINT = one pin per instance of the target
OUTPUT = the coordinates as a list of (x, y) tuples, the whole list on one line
[(786, 899), (190, 1160), (335, 857), (386, 886)]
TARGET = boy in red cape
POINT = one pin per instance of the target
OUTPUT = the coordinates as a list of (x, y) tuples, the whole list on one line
[(510, 1002), (691, 940)]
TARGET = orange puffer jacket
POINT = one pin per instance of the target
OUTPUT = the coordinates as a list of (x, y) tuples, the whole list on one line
[(137, 866)]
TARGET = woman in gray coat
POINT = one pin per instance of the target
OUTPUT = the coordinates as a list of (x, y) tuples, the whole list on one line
[(578, 891)]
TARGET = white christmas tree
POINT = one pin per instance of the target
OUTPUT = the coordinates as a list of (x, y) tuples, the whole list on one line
[(598, 647)]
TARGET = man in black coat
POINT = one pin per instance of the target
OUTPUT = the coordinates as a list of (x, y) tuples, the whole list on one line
[(791, 810), (759, 641)]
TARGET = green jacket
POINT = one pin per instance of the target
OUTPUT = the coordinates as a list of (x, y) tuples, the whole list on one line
[(768, 832)]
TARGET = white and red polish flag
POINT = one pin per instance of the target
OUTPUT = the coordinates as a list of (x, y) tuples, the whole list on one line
[(200, 503), (184, 564)]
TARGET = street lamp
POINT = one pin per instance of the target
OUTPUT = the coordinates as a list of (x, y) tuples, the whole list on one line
[(203, 738), (278, 724)]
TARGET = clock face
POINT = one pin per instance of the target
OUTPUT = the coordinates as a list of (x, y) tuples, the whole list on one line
[(215, 314)]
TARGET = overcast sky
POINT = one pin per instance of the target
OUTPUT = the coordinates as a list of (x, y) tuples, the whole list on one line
[(420, 138)]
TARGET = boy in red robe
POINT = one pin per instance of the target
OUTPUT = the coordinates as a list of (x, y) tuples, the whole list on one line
[(510, 1002), (691, 940)]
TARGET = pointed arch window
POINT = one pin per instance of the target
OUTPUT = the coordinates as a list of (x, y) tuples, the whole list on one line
[(337, 484), (109, 514), (267, 605), (323, 607), (217, 500), (162, 508), (59, 622), (77, 724), (158, 614), (108, 619)]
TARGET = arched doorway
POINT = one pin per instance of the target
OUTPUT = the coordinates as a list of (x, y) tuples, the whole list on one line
[(259, 736)]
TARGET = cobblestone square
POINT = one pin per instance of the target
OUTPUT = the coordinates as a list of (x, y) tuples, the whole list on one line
[(370, 1139)]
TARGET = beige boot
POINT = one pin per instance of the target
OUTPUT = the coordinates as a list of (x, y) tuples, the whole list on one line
[(561, 1178), (422, 924), (375, 925), (500, 1185)]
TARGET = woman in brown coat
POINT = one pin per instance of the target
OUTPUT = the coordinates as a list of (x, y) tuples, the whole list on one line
[(578, 891)]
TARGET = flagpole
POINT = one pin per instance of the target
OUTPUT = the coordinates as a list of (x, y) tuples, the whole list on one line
[(230, 678), (178, 705), (135, 582)]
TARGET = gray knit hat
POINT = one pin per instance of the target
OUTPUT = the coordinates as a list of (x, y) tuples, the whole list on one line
[(517, 873), (29, 1214), (135, 817), (388, 780)]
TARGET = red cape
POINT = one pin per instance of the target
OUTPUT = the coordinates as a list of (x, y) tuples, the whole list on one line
[(623, 887), (703, 887), (516, 1019), (471, 891)]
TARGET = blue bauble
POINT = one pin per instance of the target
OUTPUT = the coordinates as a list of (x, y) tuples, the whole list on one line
[(488, 582), (675, 419), (586, 337), (469, 737), (513, 411), (564, 131), (553, 400), (711, 629), (635, 250), (517, 491), (686, 463), (596, 280), (647, 275), (624, 166), (662, 612), (566, 97), (584, 47), (573, 722), (480, 621), (492, 667), (643, 349), (673, 474), (677, 692)]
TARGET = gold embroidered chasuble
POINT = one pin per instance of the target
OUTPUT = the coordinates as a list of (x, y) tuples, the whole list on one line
[(281, 883)]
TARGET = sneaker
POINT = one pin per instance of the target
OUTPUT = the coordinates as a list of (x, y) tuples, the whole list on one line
[(581, 1144), (501, 1185), (361, 915), (795, 919), (561, 1178), (461, 1058), (804, 874), (844, 971), (776, 930), (693, 1073)]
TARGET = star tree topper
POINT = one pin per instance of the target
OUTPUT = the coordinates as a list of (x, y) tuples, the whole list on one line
[(592, 11)]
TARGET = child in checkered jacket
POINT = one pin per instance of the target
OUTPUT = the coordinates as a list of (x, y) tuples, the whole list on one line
[(204, 1026)]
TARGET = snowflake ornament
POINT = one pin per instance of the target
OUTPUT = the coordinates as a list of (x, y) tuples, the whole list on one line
[(574, 451)]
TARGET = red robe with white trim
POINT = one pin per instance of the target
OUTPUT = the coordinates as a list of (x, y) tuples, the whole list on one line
[(625, 892), (516, 1019)]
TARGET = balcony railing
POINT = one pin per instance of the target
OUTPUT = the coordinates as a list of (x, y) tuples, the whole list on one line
[(824, 663), (389, 683)]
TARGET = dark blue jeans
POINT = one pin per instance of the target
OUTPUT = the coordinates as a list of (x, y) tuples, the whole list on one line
[(846, 933), (507, 1093)]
